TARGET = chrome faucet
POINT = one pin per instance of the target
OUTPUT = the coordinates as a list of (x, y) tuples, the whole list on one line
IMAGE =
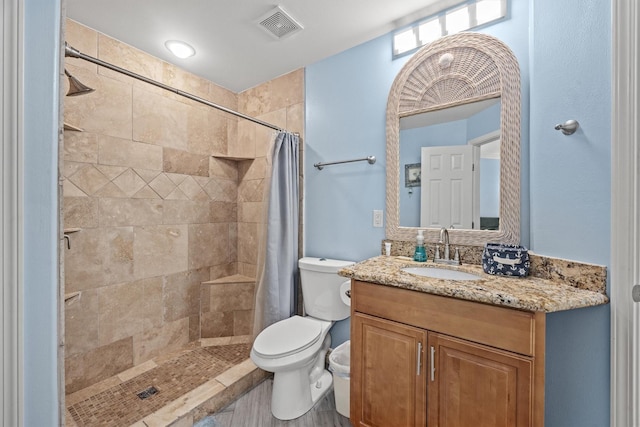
[(445, 233), (444, 239)]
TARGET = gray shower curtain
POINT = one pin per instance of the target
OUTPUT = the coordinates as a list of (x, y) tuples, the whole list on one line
[(278, 258)]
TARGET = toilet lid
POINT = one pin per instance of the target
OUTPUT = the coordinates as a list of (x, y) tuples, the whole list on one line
[(287, 336)]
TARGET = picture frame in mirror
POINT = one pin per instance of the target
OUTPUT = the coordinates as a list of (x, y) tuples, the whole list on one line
[(412, 175)]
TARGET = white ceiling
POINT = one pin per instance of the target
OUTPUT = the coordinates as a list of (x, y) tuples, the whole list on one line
[(232, 51)]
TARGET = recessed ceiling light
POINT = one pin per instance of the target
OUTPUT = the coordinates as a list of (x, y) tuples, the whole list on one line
[(180, 49)]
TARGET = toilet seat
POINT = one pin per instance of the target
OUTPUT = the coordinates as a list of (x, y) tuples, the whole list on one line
[(287, 336)]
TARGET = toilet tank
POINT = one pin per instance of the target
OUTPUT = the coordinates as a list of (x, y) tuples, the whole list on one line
[(321, 288)]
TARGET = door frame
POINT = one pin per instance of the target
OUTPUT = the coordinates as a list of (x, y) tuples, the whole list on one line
[(625, 214), (11, 213), (477, 143)]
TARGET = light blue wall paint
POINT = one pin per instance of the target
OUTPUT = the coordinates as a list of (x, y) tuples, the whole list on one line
[(565, 180), (41, 67), (346, 99), (489, 188), (570, 192), (484, 122), (570, 175), (577, 368)]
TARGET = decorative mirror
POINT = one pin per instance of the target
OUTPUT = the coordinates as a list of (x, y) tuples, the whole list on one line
[(454, 113)]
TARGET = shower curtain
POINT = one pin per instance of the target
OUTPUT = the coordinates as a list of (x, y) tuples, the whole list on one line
[(278, 255)]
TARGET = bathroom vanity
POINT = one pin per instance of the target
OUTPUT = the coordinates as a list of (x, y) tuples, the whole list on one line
[(441, 352)]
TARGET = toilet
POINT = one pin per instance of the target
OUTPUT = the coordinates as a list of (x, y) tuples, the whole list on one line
[(294, 349)]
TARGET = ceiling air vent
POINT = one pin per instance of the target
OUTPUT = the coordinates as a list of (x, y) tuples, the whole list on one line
[(279, 23)]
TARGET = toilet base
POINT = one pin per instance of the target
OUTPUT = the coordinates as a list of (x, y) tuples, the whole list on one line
[(293, 396)]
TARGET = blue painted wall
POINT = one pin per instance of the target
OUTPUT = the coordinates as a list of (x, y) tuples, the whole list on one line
[(570, 175), (489, 188), (570, 192), (39, 301), (346, 99), (577, 374), (564, 53), (485, 121)]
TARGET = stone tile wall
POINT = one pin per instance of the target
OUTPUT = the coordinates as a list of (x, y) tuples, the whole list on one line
[(226, 307), (158, 214), (281, 102)]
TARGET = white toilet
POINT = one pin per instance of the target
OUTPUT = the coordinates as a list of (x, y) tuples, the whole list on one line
[(294, 349)]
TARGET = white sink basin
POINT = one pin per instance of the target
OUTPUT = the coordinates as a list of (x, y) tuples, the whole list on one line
[(440, 273)]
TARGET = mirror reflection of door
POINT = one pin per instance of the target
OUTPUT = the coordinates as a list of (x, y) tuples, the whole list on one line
[(476, 124), (447, 193)]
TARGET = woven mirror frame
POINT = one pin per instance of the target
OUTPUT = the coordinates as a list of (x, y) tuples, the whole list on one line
[(451, 71)]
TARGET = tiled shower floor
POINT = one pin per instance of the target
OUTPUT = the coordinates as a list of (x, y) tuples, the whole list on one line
[(189, 384)]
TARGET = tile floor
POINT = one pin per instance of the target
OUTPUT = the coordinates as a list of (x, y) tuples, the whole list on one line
[(190, 384), (253, 409)]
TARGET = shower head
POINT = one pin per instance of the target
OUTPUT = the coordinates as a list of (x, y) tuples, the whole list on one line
[(75, 87)]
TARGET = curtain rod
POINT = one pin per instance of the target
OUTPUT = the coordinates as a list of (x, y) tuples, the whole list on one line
[(75, 53)]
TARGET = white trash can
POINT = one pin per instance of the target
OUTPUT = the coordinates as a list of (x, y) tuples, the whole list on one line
[(340, 364)]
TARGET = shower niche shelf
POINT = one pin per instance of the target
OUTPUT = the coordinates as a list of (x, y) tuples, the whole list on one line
[(72, 296), (69, 126), (235, 278), (234, 158)]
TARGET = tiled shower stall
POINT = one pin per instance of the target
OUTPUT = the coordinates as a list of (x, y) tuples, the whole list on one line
[(167, 242)]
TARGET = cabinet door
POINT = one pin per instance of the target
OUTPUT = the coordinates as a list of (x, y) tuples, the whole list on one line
[(388, 383), (475, 385)]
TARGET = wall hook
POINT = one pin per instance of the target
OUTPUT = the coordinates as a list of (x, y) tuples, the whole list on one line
[(569, 127)]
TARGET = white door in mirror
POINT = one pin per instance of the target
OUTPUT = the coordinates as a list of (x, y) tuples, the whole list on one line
[(447, 187)]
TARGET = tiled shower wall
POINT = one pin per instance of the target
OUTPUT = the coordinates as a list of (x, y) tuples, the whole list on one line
[(280, 102), (158, 215)]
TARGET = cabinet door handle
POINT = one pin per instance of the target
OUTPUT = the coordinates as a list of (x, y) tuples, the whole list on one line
[(433, 364), (419, 359)]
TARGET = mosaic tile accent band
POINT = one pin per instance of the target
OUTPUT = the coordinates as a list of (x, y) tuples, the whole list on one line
[(122, 182), (121, 406)]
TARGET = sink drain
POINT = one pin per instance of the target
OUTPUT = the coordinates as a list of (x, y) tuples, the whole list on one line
[(148, 392)]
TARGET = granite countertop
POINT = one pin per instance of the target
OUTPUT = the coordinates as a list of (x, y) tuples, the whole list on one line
[(530, 293)]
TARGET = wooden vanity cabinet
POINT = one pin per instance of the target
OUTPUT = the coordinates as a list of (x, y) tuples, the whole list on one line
[(475, 385), (425, 360), (392, 390)]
